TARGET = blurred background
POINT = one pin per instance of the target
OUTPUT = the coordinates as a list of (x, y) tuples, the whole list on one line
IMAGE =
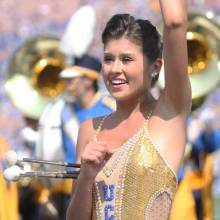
[(27, 28)]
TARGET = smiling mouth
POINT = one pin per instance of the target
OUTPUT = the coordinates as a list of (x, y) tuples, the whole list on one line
[(118, 82)]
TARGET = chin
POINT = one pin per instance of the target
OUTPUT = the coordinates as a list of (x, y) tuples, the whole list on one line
[(121, 97), (125, 94)]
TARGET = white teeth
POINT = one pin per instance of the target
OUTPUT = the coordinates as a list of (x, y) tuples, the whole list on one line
[(118, 81)]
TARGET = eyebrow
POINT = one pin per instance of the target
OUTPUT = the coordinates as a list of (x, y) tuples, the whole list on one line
[(122, 54), (107, 54)]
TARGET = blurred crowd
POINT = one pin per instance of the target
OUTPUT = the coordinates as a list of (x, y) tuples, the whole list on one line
[(48, 133)]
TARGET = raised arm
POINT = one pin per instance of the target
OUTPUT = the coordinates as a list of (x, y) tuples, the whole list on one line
[(177, 85)]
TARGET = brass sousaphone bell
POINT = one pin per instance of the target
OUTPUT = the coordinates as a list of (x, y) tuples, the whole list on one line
[(32, 78), (203, 42)]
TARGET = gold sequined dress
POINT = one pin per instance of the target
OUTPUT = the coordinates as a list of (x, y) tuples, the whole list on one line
[(135, 184)]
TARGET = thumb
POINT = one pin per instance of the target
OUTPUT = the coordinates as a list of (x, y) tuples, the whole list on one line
[(110, 152)]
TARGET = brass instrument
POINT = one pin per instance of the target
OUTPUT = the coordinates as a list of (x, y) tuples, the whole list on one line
[(203, 42), (33, 75)]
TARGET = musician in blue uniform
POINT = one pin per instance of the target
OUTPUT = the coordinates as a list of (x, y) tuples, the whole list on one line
[(60, 121), (81, 82)]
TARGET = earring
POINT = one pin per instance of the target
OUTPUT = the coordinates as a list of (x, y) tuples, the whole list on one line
[(153, 75)]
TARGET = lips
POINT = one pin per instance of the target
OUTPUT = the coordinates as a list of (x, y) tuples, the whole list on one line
[(117, 82)]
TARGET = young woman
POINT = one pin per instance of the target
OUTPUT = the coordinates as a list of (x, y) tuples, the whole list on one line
[(130, 158)]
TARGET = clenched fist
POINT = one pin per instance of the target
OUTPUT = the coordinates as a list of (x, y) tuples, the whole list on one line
[(94, 158)]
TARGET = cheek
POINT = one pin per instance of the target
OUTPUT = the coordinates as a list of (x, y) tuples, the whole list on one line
[(141, 81), (104, 75), (105, 69), (146, 77)]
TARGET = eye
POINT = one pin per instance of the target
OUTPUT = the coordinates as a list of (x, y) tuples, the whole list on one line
[(126, 59), (108, 59)]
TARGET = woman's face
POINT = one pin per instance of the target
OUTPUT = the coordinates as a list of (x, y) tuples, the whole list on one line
[(126, 71)]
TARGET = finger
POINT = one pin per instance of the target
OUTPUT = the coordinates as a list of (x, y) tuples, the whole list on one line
[(111, 151), (101, 143), (98, 154), (100, 147), (92, 159), (107, 157), (97, 148)]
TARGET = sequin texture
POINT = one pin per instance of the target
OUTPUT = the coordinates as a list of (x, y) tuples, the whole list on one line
[(144, 185)]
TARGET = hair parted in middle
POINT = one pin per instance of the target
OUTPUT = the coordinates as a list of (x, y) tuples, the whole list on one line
[(138, 30)]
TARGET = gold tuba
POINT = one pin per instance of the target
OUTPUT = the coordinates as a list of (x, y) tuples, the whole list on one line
[(33, 75), (203, 42)]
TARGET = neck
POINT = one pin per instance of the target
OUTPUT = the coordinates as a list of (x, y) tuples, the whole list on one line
[(142, 106)]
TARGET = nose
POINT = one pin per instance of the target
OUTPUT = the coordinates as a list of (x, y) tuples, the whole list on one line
[(116, 66)]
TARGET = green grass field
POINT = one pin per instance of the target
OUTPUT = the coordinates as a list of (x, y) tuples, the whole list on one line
[(216, 209)]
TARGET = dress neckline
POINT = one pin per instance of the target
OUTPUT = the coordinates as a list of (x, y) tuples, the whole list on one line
[(120, 151), (97, 131)]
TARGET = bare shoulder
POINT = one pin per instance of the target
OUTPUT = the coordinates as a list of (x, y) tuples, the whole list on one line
[(86, 134)]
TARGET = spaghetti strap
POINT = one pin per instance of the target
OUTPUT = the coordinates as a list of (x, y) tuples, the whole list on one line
[(94, 139)]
